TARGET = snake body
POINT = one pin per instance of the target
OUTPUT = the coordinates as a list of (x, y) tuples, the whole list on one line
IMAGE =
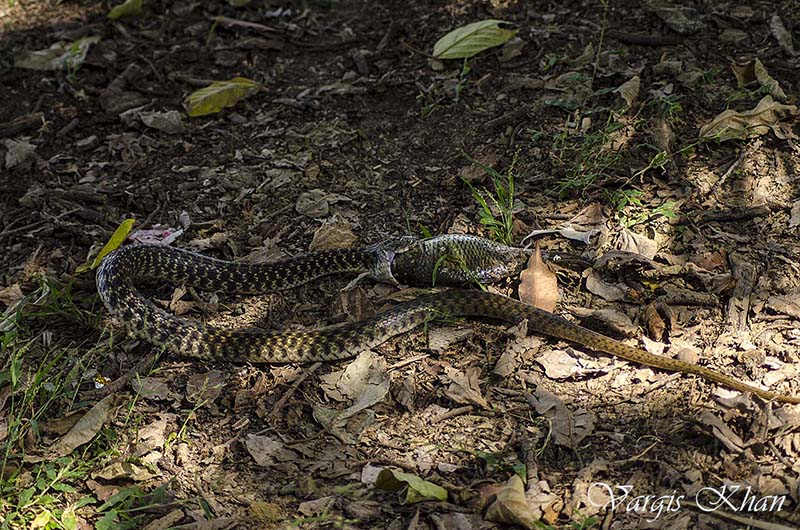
[(444, 260)]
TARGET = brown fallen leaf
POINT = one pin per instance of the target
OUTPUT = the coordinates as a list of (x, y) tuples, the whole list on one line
[(335, 232), (538, 284), (465, 388), (206, 387), (85, 429), (511, 506), (734, 125), (629, 90), (656, 327), (569, 427), (755, 72)]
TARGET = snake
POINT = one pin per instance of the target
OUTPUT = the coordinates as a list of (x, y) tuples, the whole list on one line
[(450, 260)]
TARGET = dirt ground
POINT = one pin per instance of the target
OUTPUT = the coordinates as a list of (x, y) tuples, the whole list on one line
[(689, 244)]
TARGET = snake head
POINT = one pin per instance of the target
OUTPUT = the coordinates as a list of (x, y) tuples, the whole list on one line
[(383, 254)]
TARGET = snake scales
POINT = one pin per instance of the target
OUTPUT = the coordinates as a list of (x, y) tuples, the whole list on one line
[(446, 260)]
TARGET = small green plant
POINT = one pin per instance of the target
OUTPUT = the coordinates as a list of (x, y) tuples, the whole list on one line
[(588, 157), (463, 81), (671, 108), (497, 207), (428, 103), (584, 522), (631, 210), (550, 60), (710, 75)]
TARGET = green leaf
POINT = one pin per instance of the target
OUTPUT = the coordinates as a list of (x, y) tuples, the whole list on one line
[(468, 41), (60, 486), (113, 244), (68, 519), (41, 519), (416, 489), (107, 522), (130, 8), (25, 496), (218, 95)]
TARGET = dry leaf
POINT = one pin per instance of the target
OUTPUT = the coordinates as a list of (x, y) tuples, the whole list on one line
[(267, 451), (755, 72), (781, 34), (511, 506), (333, 233), (538, 284), (85, 429), (733, 125), (629, 90), (465, 388)]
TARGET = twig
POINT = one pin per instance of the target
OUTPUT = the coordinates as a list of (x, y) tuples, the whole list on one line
[(415, 50), (452, 414), (17, 125), (292, 389), (36, 224)]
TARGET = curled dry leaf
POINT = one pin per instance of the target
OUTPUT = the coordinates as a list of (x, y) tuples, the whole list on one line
[(734, 125), (538, 284), (510, 505), (629, 90), (755, 72), (656, 327)]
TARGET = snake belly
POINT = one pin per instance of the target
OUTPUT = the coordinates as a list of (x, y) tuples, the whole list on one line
[(442, 260)]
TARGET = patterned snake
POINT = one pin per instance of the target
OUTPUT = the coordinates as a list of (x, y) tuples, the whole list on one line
[(445, 260)]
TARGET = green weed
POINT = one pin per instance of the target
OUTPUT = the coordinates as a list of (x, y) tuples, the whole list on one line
[(40, 378), (588, 158), (497, 207)]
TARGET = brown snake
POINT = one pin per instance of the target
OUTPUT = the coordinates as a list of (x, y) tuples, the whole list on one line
[(446, 260)]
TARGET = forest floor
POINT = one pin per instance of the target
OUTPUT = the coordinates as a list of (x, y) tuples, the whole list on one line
[(610, 118)]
